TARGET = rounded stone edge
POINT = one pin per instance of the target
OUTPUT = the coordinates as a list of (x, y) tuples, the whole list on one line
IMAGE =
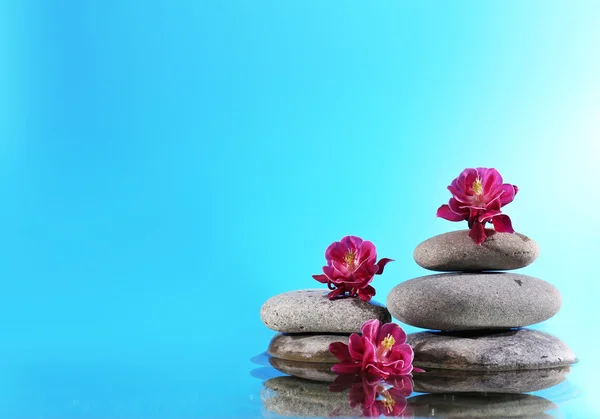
[(534, 247)]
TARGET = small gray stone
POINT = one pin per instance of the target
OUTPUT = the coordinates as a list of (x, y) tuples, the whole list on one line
[(516, 381), (291, 396), (311, 311), (480, 406), (315, 371), (463, 301), (456, 251), (521, 349), (304, 347)]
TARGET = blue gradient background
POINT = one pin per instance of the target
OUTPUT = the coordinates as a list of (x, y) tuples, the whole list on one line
[(166, 166)]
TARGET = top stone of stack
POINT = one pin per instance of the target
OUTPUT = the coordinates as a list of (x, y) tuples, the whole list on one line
[(456, 251)]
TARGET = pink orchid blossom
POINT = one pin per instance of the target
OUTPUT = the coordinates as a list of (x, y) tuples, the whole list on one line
[(477, 197), (380, 351), (375, 396), (350, 268)]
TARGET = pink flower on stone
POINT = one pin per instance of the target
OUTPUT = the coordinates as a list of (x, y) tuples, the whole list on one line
[(351, 265), (380, 351), (477, 197)]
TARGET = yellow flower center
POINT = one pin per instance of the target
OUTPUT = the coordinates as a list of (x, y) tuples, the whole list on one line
[(477, 187), (388, 342), (388, 402), (349, 257)]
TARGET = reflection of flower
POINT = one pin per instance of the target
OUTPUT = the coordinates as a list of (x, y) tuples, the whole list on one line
[(477, 197), (380, 351), (350, 268), (376, 396)]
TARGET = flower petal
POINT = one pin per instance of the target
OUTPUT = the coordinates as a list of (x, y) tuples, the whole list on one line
[(340, 351), (393, 330), (321, 278), (366, 293), (381, 264), (502, 224), (370, 329), (356, 347), (477, 233), (346, 368), (446, 213)]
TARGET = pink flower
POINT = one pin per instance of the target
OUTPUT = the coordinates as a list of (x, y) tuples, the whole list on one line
[(376, 396), (380, 351), (477, 197), (350, 268)]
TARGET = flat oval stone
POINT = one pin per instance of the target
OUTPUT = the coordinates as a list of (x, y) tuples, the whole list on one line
[(456, 251), (520, 349), (515, 381), (480, 405), (311, 311), (304, 347), (463, 301), (315, 371)]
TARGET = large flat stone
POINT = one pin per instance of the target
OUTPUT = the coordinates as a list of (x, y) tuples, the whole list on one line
[(314, 371), (463, 301), (521, 349), (291, 396), (305, 347), (515, 381), (311, 311), (456, 251), (480, 406)]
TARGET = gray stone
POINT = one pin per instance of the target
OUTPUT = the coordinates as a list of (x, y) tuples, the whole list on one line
[(315, 371), (463, 301), (480, 406), (291, 396), (311, 311), (456, 251), (516, 381), (520, 349), (304, 347)]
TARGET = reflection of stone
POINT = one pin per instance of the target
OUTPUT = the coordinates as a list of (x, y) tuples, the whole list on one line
[(305, 347), (490, 351), (473, 405), (309, 370), (517, 381), (291, 396), (311, 311)]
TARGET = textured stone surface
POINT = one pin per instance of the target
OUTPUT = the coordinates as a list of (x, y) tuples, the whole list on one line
[(480, 406), (516, 381), (463, 301), (314, 371), (311, 311), (291, 396), (456, 251), (304, 347), (499, 351)]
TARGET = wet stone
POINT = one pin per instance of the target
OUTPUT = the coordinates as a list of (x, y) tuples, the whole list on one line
[(291, 396), (314, 371), (521, 349), (311, 311), (515, 381), (305, 347)]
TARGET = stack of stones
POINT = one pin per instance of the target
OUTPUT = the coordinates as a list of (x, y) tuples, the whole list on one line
[(476, 315), (308, 322)]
